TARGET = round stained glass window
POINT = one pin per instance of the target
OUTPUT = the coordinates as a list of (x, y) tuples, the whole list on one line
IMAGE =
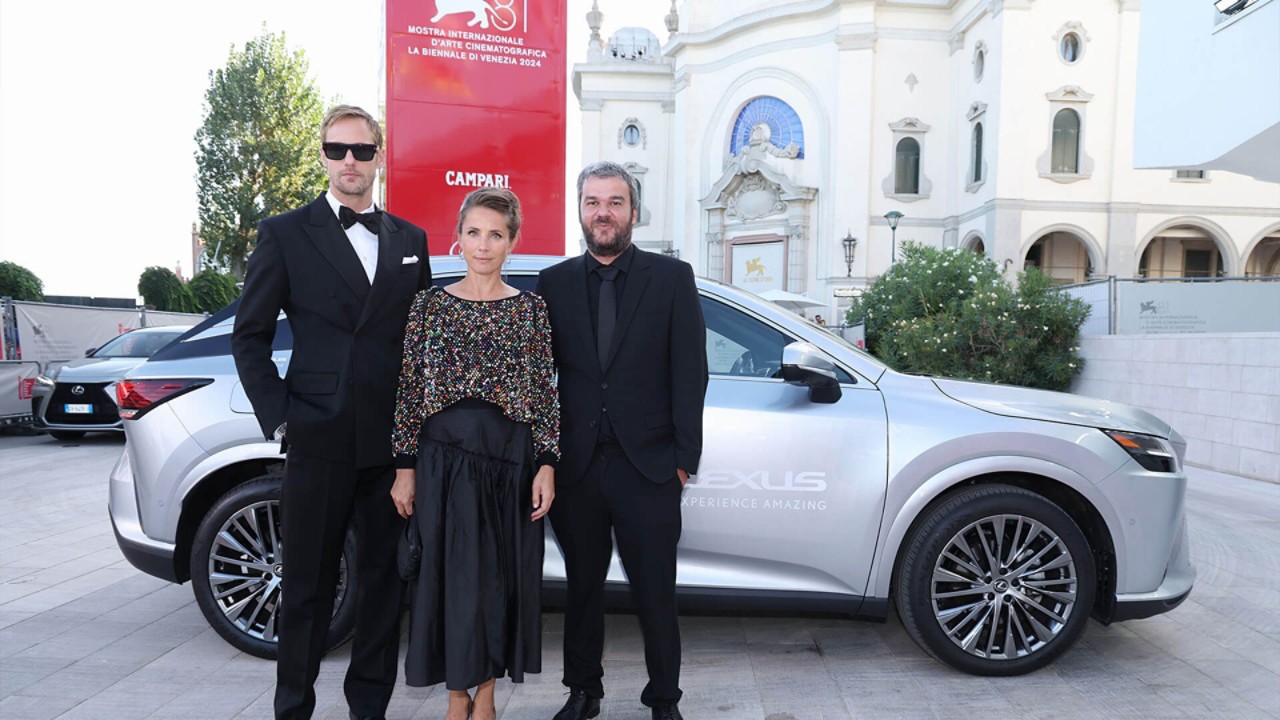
[(783, 125)]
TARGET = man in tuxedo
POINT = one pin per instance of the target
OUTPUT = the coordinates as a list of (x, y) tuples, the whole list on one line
[(630, 348), (344, 273)]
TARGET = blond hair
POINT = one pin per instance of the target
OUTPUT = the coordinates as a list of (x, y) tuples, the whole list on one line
[(342, 112)]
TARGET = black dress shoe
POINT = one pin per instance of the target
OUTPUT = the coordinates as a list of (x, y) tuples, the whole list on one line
[(354, 716), (669, 711), (579, 706)]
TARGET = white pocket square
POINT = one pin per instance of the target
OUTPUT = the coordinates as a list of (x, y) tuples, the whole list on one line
[(409, 260)]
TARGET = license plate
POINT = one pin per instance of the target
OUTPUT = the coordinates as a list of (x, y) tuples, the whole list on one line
[(77, 409)]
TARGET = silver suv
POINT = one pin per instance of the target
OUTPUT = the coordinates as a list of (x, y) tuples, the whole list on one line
[(80, 396), (997, 519)]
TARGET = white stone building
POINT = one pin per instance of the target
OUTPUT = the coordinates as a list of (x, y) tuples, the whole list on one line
[(766, 132)]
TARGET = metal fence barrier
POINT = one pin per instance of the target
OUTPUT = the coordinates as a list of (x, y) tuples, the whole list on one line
[(1149, 306)]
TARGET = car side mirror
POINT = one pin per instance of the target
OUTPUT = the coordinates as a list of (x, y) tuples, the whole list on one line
[(804, 364)]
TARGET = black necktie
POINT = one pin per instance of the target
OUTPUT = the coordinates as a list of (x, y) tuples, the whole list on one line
[(349, 217), (608, 311)]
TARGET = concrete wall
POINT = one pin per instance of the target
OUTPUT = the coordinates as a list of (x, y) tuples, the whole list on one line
[(1221, 392)]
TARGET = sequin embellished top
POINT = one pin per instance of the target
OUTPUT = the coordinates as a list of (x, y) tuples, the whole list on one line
[(498, 351)]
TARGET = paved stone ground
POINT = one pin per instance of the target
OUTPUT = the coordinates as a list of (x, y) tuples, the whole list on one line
[(84, 635)]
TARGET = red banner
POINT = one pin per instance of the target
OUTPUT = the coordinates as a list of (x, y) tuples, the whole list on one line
[(476, 97)]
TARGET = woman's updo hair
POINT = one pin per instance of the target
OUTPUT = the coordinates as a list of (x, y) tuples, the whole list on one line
[(500, 200)]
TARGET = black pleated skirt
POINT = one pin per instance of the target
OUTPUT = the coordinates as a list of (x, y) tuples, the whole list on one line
[(476, 607)]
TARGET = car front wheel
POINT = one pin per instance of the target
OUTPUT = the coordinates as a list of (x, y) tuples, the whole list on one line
[(237, 572), (996, 580)]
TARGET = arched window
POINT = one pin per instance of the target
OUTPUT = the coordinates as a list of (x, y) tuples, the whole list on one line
[(1069, 48), (906, 175), (631, 135), (783, 123), (1066, 142), (975, 171)]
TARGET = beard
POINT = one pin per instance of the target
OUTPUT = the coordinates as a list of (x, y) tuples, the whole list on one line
[(354, 186), (601, 244)]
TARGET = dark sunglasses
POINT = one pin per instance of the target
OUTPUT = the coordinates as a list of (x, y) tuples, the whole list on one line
[(363, 152)]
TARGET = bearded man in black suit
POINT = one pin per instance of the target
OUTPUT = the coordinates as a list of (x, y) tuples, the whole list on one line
[(344, 273), (630, 348)]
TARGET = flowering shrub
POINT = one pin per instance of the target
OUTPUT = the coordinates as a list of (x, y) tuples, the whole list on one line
[(950, 313)]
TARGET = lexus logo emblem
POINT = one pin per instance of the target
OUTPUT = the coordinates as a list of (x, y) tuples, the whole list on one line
[(77, 389)]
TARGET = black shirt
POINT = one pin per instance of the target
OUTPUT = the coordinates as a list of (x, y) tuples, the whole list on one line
[(623, 264)]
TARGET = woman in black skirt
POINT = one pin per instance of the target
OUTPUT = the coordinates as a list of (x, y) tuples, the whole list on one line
[(476, 440)]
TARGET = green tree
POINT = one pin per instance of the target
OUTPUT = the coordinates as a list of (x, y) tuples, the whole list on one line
[(20, 283), (951, 313), (162, 290), (258, 149), (212, 290)]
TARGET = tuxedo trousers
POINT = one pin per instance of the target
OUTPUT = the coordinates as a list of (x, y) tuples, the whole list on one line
[(319, 499), (614, 500)]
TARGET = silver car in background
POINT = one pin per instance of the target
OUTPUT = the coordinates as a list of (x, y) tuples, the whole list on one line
[(80, 396), (996, 519)]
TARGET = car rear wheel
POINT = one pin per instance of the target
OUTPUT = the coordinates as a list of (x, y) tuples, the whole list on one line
[(996, 580), (67, 434), (237, 571)]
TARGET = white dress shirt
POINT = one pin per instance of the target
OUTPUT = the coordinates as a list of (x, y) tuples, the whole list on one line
[(363, 242)]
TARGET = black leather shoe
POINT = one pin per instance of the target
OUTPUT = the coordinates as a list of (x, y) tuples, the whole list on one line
[(578, 706), (669, 711), (354, 716)]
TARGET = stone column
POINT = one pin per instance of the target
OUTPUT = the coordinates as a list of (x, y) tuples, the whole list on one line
[(715, 251), (1122, 240), (798, 254)]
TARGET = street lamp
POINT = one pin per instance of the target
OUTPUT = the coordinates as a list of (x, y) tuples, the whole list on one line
[(893, 216), (850, 243)]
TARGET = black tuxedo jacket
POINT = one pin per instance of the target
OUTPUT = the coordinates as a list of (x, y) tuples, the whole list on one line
[(655, 379), (339, 395)]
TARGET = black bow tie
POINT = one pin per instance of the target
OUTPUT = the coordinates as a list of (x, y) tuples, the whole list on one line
[(349, 217)]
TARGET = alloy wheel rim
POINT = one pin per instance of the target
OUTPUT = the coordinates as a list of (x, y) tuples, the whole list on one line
[(246, 570), (1003, 587)]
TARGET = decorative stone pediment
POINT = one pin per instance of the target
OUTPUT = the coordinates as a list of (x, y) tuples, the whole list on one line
[(1069, 93), (909, 125), (1073, 26), (754, 198), (976, 110), (748, 185)]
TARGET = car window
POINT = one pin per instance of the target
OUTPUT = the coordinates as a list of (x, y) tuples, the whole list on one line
[(741, 345), (135, 344)]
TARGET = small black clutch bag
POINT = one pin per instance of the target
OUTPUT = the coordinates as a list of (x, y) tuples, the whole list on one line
[(409, 552)]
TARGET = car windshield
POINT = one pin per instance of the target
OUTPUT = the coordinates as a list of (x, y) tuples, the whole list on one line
[(136, 344)]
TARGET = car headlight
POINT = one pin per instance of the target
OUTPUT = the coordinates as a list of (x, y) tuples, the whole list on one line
[(45, 381), (1153, 453)]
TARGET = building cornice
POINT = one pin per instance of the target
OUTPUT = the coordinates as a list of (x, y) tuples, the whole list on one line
[(1017, 205), (595, 98), (765, 17), (595, 70), (856, 36)]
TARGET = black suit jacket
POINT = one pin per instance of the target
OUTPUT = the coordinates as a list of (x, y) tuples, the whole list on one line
[(339, 395), (655, 380)]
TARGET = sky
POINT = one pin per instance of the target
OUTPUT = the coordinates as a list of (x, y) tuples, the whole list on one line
[(100, 103)]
